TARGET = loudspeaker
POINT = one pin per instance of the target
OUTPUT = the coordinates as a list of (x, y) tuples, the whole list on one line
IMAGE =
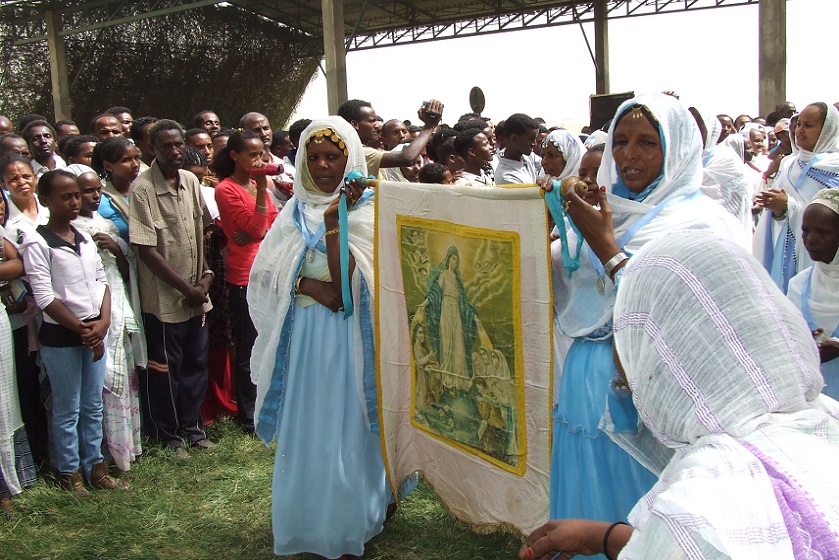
[(602, 108)]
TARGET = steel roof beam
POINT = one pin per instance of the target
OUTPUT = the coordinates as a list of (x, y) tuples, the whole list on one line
[(532, 19), (395, 21)]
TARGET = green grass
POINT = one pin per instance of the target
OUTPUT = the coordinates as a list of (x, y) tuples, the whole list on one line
[(215, 505)]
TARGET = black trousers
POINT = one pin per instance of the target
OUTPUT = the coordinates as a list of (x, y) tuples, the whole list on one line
[(173, 386), (237, 298), (31, 398)]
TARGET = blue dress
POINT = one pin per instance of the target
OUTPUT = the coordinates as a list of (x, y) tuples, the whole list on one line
[(108, 211), (330, 491), (830, 372), (591, 476)]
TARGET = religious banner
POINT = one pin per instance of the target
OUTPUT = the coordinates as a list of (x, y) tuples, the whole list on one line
[(464, 347)]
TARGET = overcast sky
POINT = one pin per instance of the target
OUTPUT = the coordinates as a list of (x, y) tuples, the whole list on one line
[(710, 57)]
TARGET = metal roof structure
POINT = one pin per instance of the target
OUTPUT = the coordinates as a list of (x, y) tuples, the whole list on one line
[(353, 25), (368, 24)]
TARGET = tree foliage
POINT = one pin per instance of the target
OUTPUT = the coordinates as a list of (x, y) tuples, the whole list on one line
[(220, 58)]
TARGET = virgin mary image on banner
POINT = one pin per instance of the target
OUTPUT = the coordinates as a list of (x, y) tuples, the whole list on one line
[(463, 337), (450, 317)]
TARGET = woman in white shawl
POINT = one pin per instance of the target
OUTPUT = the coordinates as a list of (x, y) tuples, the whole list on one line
[(813, 165), (562, 156), (722, 369), (562, 152), (754, 137), (17, 470), (815, 290), (652, 169), (313, 362), (724, 177), (126, 349)]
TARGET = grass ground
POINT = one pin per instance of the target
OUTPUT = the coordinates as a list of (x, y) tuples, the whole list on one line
[(214, 506)]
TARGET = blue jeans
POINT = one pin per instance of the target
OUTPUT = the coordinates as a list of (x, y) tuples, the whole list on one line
[(77, 383)]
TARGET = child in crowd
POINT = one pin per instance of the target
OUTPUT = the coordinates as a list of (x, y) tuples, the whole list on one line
[(435, 173), (126, 347), (69, 285)]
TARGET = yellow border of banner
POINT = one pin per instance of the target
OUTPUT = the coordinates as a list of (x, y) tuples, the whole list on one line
[(394, 485), (508, 237)]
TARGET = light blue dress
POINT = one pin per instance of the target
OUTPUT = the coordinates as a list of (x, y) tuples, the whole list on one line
[(591, 476), (330, 492)]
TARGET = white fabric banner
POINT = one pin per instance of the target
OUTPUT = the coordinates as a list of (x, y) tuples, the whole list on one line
[(464, 347)]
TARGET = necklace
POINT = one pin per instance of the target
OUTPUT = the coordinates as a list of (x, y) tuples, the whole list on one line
[(247, 185), (71, 239)]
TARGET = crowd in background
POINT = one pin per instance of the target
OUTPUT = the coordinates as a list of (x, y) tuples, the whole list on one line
[(156, 277)]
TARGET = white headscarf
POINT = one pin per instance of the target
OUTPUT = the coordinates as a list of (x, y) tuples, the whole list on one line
[(595, 138), (828, 141), (737, 143), (681, 172), (749, 127), (721, 365), (823, 300), (79, 169), (800, 193), (713, 129), (580, 307), (571, 148), (724, 178), (275, 267)]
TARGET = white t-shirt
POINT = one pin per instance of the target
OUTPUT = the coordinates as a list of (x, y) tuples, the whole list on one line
[(41, 169), (209, 194), (482, 180), (511, 172)]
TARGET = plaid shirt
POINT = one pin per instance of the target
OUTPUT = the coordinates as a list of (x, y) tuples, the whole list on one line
[(172, 221)]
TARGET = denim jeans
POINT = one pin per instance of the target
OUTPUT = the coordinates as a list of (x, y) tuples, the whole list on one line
[(77, 383)]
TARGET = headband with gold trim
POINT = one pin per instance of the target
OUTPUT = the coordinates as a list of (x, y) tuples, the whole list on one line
[(318, 136)]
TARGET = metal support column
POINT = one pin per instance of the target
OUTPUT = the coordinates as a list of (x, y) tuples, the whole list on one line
[(773, 54), (58, 66), (335, 53), (601, 45)]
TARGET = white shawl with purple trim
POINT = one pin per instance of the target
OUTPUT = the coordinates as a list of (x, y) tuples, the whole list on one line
[(723, 369)]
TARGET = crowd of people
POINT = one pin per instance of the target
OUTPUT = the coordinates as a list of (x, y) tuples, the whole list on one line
[(156, 278)]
